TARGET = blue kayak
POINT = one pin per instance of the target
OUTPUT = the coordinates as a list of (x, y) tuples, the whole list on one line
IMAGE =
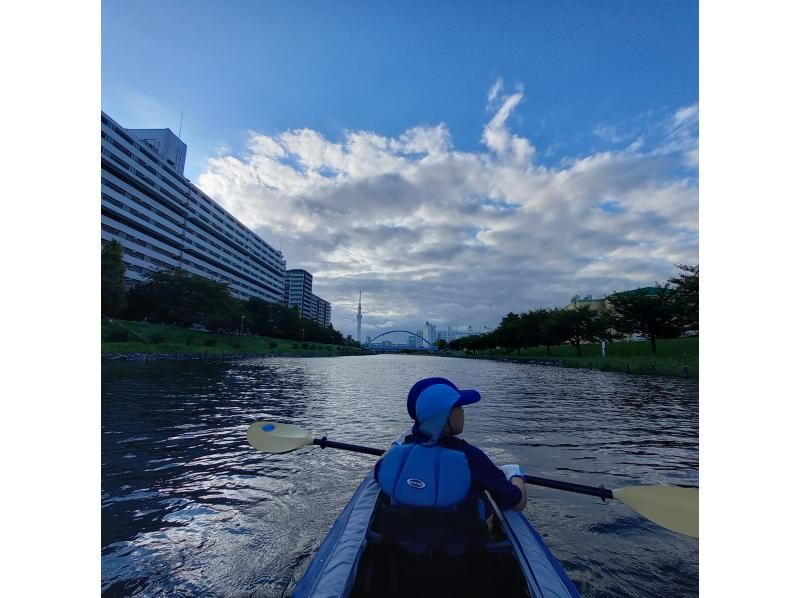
[(375, 549)]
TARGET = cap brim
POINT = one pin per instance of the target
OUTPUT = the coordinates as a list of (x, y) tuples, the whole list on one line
[(468, 397)]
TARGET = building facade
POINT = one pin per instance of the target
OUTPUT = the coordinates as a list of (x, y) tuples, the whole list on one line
[(297, 293), (593, 304), (164, 221), (450, 334)]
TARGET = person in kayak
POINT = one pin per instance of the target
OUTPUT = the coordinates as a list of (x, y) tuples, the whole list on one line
[(434, 468)]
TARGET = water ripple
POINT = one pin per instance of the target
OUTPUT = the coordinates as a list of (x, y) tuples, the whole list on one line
[(188, 508)]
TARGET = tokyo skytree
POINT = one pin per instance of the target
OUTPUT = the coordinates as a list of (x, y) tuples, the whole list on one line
[(358, 317)]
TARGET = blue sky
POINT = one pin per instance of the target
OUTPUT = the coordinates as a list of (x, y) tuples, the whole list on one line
[(576, 115)]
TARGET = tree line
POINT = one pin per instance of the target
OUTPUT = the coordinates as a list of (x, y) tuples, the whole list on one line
[(664, 311), (174, 296)]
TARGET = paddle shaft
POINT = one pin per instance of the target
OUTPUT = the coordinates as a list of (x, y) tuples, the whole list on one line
[(355, 448), (529, 479), (570, 487)]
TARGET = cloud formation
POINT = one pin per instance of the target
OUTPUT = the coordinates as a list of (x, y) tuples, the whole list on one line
[(458, 238)]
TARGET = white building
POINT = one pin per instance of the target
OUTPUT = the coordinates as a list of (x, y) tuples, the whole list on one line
[(429, 334), (451, 334), (163, 221), (297, 293)]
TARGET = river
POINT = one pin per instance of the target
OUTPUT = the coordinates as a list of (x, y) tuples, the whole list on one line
[(189, 508)]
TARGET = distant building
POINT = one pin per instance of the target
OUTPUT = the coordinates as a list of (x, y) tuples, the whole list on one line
[(429, 333), (297, 293), (450, 334), (164, 221), (593, 304)]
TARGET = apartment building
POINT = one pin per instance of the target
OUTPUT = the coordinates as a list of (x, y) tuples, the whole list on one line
[(297, 293), (163, 221)]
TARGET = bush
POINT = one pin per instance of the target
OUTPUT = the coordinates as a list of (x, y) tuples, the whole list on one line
[(272, 344), (157, 339), (305, 345), (294, 346), (118, 336), (188, 341), (210, 342)]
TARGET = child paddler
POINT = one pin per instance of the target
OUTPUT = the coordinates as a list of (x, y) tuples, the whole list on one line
[(434, 468)]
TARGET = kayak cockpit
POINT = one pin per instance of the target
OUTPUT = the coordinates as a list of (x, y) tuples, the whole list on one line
[(373, 549), (421, 552)]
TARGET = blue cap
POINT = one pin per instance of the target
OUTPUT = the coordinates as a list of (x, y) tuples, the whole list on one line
[(431, 396)]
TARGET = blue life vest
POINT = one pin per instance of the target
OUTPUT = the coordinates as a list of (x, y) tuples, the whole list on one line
[(417, 475)]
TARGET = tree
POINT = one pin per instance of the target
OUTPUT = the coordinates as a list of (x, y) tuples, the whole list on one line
[(651, 312), (687, 295), (176, 297), (581, 324), (112, 279), (552, 329), (440, 344), (509, 333)]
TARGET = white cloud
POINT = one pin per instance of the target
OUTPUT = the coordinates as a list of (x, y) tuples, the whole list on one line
[(433, 233), (494, 91), (501, 141)]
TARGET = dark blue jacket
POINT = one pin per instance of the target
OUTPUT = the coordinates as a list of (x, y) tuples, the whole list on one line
[(486, 476)]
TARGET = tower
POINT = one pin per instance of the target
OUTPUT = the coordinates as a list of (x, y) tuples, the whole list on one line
[(358, 317)]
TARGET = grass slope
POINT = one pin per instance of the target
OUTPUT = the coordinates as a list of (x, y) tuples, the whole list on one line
[(677, 357), (121, 336)]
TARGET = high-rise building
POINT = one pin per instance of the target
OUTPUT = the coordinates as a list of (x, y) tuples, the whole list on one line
[(420, 335), (163, 221), (451, 334), (429, 334), (297, 293)]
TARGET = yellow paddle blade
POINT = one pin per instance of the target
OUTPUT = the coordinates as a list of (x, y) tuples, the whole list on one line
[(271, 437), (672, 507)]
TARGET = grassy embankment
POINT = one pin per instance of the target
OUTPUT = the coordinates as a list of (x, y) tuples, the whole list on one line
[(122, 336), (676, 357)]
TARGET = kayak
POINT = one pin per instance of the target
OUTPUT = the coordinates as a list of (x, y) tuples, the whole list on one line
[(375, 549)]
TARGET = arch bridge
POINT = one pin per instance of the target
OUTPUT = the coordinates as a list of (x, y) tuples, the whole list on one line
[(430, 346)]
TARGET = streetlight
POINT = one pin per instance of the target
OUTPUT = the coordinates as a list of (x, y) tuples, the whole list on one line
[(241, 327)]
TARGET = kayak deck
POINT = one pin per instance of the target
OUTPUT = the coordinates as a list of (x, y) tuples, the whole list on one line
[(370, 551)]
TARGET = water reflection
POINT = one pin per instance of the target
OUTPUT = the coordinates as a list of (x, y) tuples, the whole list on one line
[(189, 508)]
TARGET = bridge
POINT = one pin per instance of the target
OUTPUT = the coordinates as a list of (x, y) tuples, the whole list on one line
[(398, 347)]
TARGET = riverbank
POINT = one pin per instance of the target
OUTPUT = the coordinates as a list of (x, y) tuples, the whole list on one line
[(677, 358), (127, 340)]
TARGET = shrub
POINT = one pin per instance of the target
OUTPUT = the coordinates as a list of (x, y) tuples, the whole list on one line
[(305, 345), (294, 346), (188, 341), (210, 342), (272, 344), (157, 338), (118, 336)]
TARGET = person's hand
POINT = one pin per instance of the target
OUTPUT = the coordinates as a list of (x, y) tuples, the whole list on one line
[(512, 470)]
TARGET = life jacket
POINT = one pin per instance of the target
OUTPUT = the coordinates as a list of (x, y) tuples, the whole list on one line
[(418, 475)]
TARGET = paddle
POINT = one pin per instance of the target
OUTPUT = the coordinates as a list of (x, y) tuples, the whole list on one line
[(672, 507)]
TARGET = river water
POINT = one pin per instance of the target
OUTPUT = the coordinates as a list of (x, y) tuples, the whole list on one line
[(188, 508)]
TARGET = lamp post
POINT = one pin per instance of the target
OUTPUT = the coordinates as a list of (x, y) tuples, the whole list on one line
[(241, 327)]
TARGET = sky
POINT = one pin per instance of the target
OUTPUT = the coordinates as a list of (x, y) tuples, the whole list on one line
[(455, 160)]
